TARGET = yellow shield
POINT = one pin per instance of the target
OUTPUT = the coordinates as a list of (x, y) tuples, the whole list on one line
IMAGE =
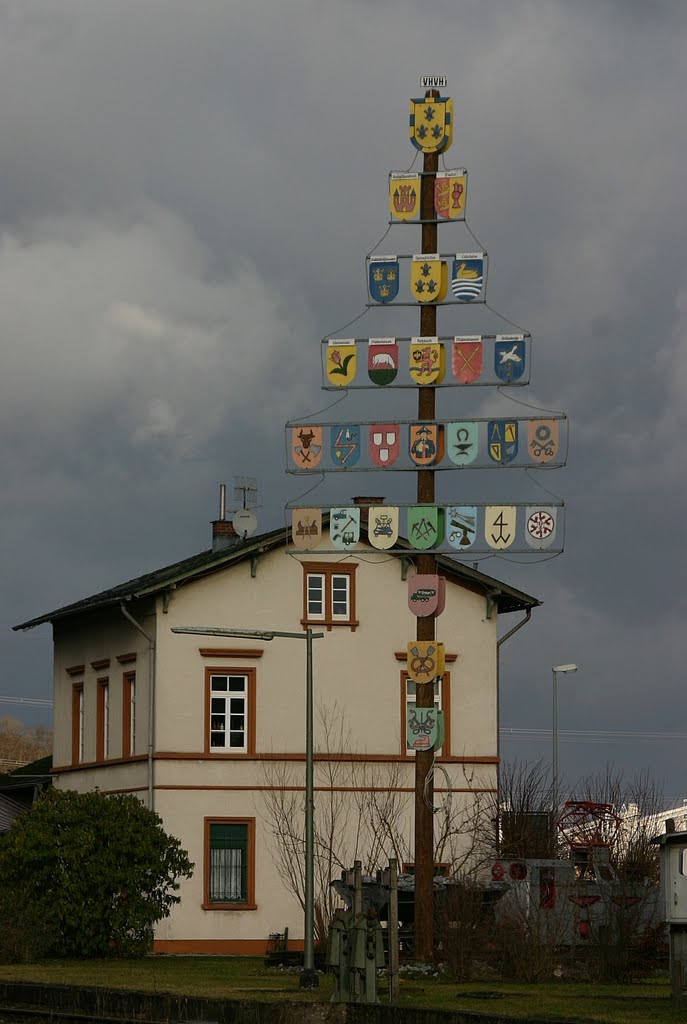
[(431, 124), (499, 526), (427, 360), (426, 660), (428, 278), (404, 196), (341, 361), (449, 194)]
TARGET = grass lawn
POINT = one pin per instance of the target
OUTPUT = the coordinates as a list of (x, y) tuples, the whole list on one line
[(646, 1002)]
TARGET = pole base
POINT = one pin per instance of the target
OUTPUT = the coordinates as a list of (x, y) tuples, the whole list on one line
[(309, 978)]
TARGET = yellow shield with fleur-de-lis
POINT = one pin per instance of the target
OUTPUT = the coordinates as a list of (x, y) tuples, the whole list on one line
[(428, 278), (341, 361), (431, 124)]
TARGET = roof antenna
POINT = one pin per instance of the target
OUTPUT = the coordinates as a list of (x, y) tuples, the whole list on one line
[(246, 492)]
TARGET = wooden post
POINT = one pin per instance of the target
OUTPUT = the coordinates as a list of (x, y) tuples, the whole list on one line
[(393, 931), (426, 563)]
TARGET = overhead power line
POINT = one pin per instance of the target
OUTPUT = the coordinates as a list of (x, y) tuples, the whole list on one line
[(591, 735), (30, 702)]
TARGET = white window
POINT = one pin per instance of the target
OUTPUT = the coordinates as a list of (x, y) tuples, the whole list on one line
[(80, 725), (106, 720), (329, 595), (229, 712)]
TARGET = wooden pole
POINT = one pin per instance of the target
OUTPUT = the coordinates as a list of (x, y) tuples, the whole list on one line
[(393, 931), (426, 563)]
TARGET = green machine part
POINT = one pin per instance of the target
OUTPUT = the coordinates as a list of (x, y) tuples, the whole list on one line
[(338, 955)]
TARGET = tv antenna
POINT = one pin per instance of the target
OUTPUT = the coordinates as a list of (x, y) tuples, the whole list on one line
[(245, 521)]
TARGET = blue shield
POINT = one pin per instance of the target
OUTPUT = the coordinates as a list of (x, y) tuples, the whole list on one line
[(344, 527), (509, 359), (384, 273), (461, 526), (467, 277), (345, 445), (461, 442), (502, 441)]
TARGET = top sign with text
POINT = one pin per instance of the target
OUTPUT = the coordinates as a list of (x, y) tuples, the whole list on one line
[(433, 81)]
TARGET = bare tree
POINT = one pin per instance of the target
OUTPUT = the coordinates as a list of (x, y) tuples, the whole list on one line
[(20, 744)]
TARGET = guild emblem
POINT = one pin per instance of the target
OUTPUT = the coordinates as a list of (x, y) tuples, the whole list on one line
[(502, 440), (383, 278), (424, 728), (462, 442), (426, 360), (344, 527), (509, 357), (341, 361), (431, 124), (385, 443), (306, 446), (382, 526), (461, 526), (543, 440), (306, 528), (428, 278), (467, 277), (425, 526), (345, 445), (466, 357), (540, 526), (404, 196), (499, 526), (426, 660), (424, 443), (382, 360), (425, 592), (449, 194)]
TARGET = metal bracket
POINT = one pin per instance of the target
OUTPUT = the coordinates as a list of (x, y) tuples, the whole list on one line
[(406, 562), (492, 597), (254, 566)]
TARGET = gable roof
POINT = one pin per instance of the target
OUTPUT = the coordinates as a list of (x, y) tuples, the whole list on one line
[(505, 597)]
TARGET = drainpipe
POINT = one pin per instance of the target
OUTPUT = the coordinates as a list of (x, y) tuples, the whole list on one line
[(151, 700), (507, 636)]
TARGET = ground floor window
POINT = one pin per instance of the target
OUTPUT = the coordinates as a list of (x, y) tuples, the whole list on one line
[(229, 863)]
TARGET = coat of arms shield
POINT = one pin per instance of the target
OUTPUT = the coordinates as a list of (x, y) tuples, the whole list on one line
[(382, 360), (467, 277), (431, 124), (427, 363), (509, 357), (423, 443), (385, 443), (404, 195), (543, 440), (424, 728), (428, 278), (462, 442), (461, 526), (499, 526), (382, 526), (540, 526), (344, 527), (502, 440), (345, 444), (426, 660), (467, 357), (425, 526), (341, 361), (306, 528), (383, 278), (423, 594), (449, 194), (306, 446)]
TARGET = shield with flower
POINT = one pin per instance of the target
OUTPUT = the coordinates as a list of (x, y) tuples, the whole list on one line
[(341, 361)]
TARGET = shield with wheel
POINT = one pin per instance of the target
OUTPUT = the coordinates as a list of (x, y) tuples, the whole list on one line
[(540, 526)]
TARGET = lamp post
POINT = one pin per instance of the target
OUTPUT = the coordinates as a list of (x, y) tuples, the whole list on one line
[(309, 977), (555, 670)]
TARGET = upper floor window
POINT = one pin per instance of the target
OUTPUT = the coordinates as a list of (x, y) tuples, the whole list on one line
[(230, 711), (77, 723), (102, 742), (129, 715), (329, 594)]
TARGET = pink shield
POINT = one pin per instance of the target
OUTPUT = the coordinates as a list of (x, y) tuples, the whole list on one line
[(423, 594), (466, 359), (385, 443)]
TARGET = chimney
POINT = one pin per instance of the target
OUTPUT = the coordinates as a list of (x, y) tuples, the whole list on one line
[(223, 533)]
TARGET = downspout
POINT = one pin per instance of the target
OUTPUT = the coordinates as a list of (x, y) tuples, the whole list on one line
[(151, 700), (507, 636)]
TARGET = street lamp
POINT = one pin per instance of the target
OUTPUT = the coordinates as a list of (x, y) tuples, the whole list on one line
[(309, 978), (555, 670)]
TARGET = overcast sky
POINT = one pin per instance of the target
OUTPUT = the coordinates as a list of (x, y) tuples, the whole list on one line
[(187, 195)]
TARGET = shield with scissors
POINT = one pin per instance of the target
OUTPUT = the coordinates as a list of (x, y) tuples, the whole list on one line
[(502, 440), (467, 277), (499, 526), (461, 526), (467, 357), (425, 526), (345, 444), (540, 526), (509, 357), (424, 443), (426, 360), (423, 594), (382, 526), (543, 440), (426, 660), (428, 278), (449, 194), (306, 528), (404, 195), (341, 361), (422, 728), (431, 124), (385, 443), (382, 360), (306, 446), (462, 442), (344, 527), (383, 278)]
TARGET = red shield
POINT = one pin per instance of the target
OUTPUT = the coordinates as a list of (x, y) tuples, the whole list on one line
[(466, 358), (423, 594), (385, 443)]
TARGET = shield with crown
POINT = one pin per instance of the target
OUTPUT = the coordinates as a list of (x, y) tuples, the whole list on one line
[(431, 124), (428, 278), (426, 360), (404, 195), (383, 278), (449, 194), (382, 360)]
